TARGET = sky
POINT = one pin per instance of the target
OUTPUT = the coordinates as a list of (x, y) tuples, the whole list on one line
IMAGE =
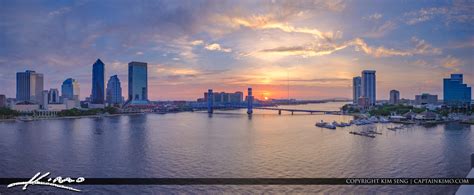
[(313, 48)]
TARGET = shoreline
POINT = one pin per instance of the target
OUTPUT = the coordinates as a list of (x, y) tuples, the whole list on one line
[(73, 117)]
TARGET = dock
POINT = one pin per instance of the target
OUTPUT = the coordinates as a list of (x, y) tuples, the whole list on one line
[(467, 189)]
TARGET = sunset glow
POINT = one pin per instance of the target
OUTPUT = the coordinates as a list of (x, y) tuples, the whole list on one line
[(312, 48)]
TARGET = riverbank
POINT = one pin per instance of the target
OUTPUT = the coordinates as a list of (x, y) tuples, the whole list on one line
[(74, 117)]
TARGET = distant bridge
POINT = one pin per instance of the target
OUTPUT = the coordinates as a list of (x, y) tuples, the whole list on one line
[(210, 106), (299, 110)]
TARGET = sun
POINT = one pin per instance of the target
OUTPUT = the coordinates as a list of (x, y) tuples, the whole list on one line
[(266, 98)]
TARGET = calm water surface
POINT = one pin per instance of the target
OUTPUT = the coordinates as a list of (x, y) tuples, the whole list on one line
[(230, 144)]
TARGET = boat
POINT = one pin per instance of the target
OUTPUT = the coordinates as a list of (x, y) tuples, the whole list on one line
[(338, 124), (321, 124), (373, 132), (345, 124), (362, 134), (330, 126), (25, 118), (373, 119), (325, 125), (383, 120)]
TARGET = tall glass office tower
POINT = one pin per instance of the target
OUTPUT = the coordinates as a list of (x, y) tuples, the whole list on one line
[(98, 82), (368, 86), (29, 86), (356, 88), (455, 92), (114, 91), (137, 83)]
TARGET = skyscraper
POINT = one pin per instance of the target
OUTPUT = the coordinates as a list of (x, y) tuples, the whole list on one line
[(3, 101), (114, 91), (98, 82), (455, 92), (70, 89), (356, 87), (394, 97), (53, 96), (29, 86), (368, 86), (137, 83)]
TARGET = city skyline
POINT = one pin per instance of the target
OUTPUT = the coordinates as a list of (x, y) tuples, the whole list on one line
[(317, 46)]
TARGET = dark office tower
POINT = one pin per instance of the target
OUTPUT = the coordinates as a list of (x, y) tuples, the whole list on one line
[(29, 86), (114, 91), (356, 89), (98, 82), (137, 83)]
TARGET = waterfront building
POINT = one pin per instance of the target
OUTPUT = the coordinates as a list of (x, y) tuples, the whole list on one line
[(25, 106), (363, 102), (368, 86), (455, 92), (114, 91), (3, 101), (53, 96), (29, 86), (394, 97), (137, 83), (44, 99), (70, 90), (225, 98), (356, 89), (98, 82), (425, 99)]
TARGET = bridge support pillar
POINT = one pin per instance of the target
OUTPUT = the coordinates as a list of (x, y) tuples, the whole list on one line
[(249, 101), (210, 101)]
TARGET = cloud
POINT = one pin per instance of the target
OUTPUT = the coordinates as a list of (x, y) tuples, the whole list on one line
[(197, 42), (373, 17), (60, 11), (382, 30), (217, 47), (319, 80), (424, 14), (139, 53), (263, 22), (421, 47), (451, 62), (460, 11)]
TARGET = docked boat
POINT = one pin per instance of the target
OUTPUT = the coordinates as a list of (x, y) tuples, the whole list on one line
[(321, 124), (345, 124), (362, 134), (25, 118), (383, 120), (338, 124), (373, 132), (325, 125)]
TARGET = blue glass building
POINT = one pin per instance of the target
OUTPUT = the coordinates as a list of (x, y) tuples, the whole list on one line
[(98, 82), (70, 89), (137, 83), (455, 92), (368, 86), (114, 91)]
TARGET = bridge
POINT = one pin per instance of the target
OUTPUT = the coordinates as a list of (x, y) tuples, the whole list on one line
[(299, 110), (210, 106)]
